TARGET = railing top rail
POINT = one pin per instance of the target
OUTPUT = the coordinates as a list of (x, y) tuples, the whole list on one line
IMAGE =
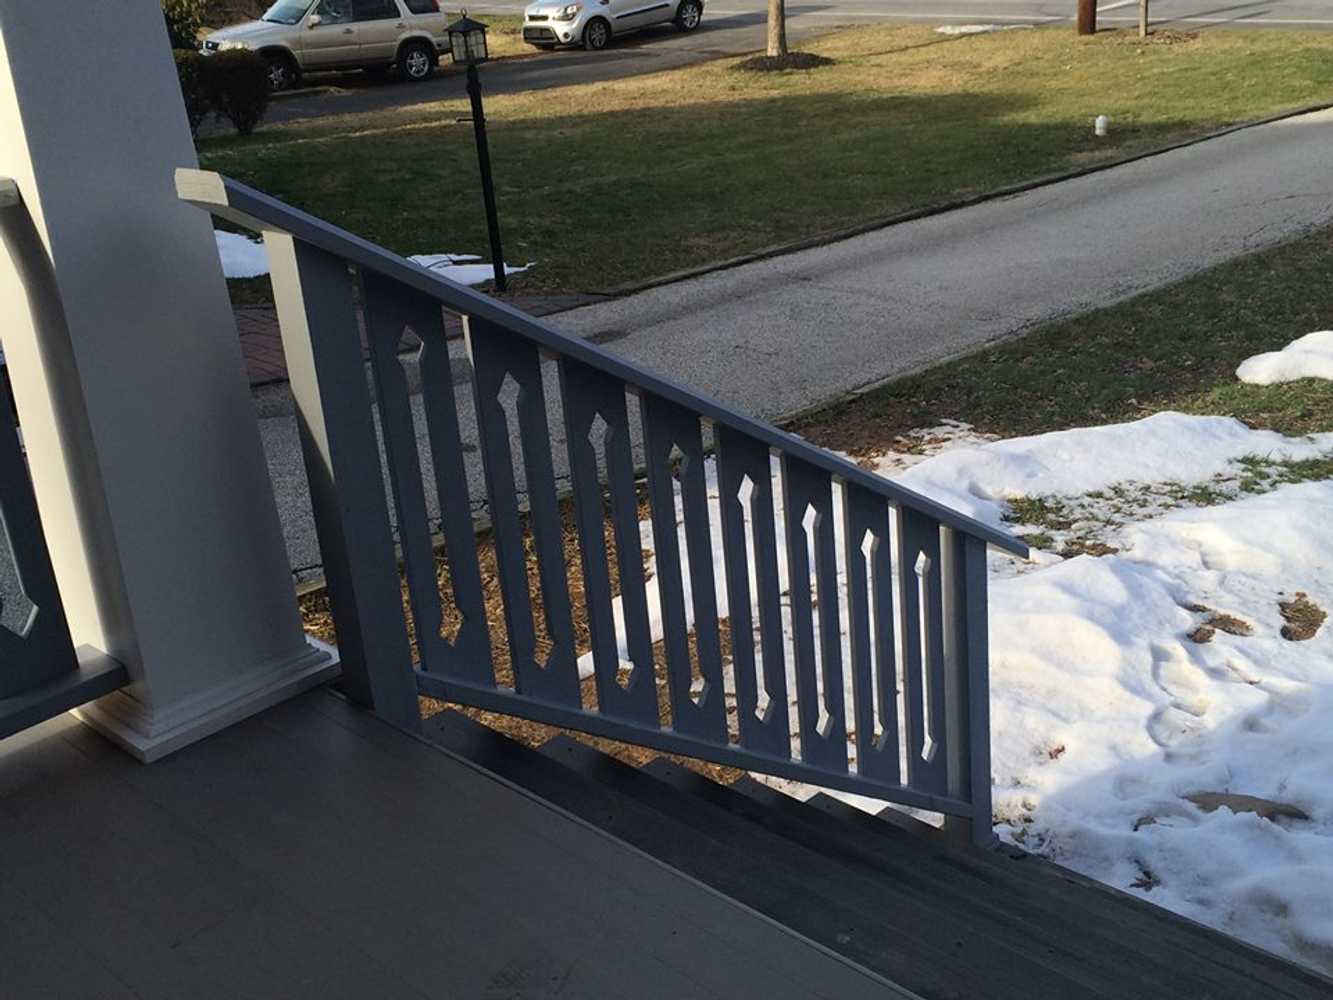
[(244, 206)]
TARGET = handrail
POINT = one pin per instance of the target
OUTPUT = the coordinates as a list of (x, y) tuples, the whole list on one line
[(244, 206)]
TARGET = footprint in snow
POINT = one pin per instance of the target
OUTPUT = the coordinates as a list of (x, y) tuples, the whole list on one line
[(1180, 679)]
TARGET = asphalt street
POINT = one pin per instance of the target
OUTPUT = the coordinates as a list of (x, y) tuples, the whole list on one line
[(784, 334)]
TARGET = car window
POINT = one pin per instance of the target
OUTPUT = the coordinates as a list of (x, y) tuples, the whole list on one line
[(423, 6), (334, 11), (374, 10)]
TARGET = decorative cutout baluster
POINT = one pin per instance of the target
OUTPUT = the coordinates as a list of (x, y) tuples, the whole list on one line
[(498, 355), (874, 655), (589, 395), (751, 585), (389, 311), (471, 656), (667, 427), (808, 503), (923, 646)]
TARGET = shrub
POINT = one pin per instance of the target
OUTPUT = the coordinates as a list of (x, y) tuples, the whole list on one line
[(238, 87), (192, 69), (184, 19)]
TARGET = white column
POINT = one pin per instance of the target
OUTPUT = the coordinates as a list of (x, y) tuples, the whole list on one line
[(130, 385)]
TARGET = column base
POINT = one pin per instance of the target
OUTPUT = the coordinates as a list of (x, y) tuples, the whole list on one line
[(151, 734)]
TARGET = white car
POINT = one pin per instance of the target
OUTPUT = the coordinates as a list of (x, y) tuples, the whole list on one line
[(593, 23), (301, 36)]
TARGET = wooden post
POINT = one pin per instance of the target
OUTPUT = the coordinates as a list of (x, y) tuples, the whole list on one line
[(1087, 17), (1143, 18)]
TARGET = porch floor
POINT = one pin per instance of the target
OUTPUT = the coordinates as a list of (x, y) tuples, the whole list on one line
[(315, 852)]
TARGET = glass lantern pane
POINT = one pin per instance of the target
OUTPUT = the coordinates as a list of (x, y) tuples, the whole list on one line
[(476, 43), (457, 47)]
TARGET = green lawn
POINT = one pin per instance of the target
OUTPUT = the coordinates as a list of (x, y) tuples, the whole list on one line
[(1173, 348), (617, 182)]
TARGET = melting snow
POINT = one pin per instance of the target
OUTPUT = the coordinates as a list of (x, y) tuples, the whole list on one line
[(1310, 356), (1105, 714)]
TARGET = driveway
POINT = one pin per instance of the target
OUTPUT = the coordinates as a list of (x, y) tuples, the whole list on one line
[(733, 27)]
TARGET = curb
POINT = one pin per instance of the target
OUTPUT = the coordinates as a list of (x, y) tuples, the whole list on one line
[(941, 207)]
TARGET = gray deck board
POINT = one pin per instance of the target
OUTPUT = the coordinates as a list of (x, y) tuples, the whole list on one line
[(314, 852)]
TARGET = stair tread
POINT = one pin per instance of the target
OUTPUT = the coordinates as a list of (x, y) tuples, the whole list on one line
[(1191, 946), (734, 873), (1006, 952), (1021, 868), (940, 920)]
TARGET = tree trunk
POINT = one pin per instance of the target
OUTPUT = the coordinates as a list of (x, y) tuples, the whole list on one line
[(1087, 17), (1143, 18), (777, 27)]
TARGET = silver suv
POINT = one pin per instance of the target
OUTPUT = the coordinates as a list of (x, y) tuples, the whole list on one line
[(302, 36), (592, 23)]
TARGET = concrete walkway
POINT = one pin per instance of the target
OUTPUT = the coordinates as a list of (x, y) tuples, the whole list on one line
[(782, 335)]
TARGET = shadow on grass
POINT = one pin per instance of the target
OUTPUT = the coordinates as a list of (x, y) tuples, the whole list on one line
[(601, 199)]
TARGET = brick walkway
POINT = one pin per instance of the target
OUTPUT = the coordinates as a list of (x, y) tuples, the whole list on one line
[(261, 343)]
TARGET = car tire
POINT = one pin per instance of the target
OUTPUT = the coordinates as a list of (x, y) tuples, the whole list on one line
[(416, 61), (689, 14), (282, 72), (597, 34)]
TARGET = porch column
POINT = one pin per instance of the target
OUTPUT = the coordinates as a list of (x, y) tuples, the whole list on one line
[(130, 385)]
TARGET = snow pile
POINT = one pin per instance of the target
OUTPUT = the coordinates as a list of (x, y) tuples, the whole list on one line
[(1107, 714), (1166, 447), (1310, 356), (242, 257)]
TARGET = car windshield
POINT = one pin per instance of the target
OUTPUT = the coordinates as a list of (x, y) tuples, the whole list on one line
[(286, 11)]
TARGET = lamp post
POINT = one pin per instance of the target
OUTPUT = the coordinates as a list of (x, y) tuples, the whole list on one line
[(467, 45)]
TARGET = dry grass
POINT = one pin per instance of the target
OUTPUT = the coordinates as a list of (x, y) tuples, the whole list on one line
[(1303, 617)]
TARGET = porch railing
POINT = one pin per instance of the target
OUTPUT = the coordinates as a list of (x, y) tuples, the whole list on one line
[(41, 673), (912, 639)]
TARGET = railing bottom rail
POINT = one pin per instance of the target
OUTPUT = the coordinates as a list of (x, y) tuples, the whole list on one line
[(504, 701)]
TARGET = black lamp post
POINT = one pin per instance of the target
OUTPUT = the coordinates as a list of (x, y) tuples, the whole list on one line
[(467, 45)]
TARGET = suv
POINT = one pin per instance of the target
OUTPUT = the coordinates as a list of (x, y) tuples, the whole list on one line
[(591, 23), (300, 36)]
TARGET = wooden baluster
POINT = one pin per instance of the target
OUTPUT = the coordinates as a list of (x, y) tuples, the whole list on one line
[(823, 718), (741, 459), (498, 355), (667, 427), (588, 395), (874, 653), (919, 575)]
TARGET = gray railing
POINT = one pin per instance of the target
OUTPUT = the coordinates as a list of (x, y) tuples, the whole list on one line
[(41, 673), (917, 730)]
